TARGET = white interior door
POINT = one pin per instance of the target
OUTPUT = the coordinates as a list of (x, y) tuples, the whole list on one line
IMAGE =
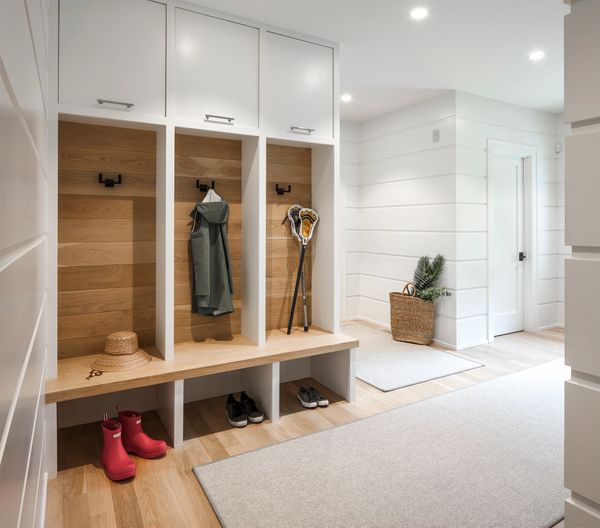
[(508, 253)]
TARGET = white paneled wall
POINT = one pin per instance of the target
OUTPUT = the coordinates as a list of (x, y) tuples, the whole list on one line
[(404, 207), (408, 195), (23, 152), (350, 193), (479, 119)]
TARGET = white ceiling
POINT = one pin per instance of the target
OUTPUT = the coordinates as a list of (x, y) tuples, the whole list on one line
[(389, 61)]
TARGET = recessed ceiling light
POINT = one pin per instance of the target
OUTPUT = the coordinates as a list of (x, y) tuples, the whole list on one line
[(537, 55), (419, 13), (346, 98)]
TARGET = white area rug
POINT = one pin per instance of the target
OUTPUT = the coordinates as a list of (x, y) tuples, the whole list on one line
[(392, 365), (389, 365), (486, 456)]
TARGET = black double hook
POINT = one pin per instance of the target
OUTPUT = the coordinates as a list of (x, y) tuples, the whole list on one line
[(204, 186), (109, 182), (281, 190)]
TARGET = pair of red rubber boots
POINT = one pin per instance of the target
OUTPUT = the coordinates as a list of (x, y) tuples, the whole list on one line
[(125, 435)]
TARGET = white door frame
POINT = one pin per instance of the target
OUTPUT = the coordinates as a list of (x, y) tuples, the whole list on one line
[(530, 238)]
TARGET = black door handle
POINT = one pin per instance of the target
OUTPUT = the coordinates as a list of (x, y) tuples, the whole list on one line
[(522, 256)]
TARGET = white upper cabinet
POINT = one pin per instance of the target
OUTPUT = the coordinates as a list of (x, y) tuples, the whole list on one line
[(216, 69), (113, 51), (297, 86)]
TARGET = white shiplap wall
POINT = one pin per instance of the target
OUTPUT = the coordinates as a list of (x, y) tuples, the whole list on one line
[(404, 207), (407, 196), (349, 176), (23, 152), (480, 119)]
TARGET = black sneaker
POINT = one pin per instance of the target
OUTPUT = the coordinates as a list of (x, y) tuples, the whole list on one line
[(320, 399), (307, 398), (235, 412), (249, 405)]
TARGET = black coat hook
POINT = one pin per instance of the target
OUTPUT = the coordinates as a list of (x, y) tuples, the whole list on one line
[(109, 182), (204, 187), (281, 190)]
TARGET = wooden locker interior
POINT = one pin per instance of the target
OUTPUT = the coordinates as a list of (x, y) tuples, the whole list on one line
[(206, 159), (286, 165), (106, 236)]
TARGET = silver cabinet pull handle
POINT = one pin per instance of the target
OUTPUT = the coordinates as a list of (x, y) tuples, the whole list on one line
[(304, 130), (102, 101), (211, 117)]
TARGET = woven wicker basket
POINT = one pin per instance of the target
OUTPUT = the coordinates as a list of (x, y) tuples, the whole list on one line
[(411, 318)]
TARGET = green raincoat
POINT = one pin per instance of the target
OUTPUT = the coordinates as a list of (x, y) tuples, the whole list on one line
[(213, 286)]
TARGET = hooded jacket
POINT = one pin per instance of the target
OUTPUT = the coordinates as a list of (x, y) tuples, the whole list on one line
[(213, 285)]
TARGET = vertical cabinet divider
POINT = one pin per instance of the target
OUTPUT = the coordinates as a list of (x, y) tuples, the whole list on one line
[(254, 238), (165, 198)]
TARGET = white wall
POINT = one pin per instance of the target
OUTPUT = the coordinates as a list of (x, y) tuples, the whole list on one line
[(416, 196), (349, 176), (23, 150), (403, 207), (480, 119)]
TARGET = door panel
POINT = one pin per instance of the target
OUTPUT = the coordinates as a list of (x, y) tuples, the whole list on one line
[(298, 86), (217, 68), (507, 243), (113, 50)]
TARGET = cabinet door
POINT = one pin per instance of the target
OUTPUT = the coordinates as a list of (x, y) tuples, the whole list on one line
[(582, 62), (298, 86), (581, 308), (582, 190), (216, 68), (113, 50)]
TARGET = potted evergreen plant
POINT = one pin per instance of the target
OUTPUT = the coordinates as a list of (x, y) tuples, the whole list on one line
[(411, 311)]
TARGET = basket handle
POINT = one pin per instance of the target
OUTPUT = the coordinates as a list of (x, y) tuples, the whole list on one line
[(410, 289)]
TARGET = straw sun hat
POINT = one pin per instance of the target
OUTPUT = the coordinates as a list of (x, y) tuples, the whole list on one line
[(121, 352)]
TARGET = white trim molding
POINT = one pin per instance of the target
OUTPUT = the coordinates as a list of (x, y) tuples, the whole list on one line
[(529, 154)]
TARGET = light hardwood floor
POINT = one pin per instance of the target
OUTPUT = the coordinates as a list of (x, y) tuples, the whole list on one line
[(165, 492)]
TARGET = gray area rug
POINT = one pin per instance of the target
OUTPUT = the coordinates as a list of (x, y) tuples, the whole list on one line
[(486, 456), (391, 365)]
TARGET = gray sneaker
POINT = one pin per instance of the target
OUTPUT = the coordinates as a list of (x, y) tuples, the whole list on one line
[(318, 397), (307, 398), (252, 411)]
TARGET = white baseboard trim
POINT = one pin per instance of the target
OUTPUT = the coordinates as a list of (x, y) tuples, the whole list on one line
[(445, 345), (472, 344), (370, 321), (436, 341), (548, 327)]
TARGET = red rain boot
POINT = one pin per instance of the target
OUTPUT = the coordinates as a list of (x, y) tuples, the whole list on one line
[(115, 460), (135, 440)]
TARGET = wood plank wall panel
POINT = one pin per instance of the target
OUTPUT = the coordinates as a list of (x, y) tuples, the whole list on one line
[(286, 165), (106, 236), (206, 159)]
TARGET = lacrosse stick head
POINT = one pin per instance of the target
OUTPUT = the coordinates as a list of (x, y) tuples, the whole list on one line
[(308, 221), (294, 219)]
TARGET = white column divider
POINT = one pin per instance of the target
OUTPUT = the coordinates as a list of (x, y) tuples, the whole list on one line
[(165, 196), (254, 238)]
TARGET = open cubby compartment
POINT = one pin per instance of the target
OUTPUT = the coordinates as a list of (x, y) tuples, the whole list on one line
[(308, 176), (106, 236), (206, 396), (232, 163), (111, 189), (334, 373), (79, 438)]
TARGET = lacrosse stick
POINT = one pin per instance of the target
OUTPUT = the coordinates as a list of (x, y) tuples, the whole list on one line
[(293, 216), (308, 221)]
